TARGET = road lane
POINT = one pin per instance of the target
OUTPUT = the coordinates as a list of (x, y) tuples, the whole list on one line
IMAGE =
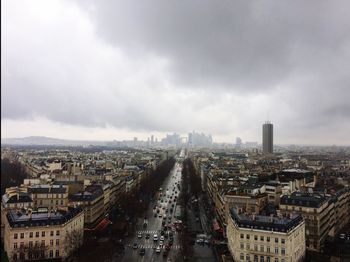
[(154, 224)]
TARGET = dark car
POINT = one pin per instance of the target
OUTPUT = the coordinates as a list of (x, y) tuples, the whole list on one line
[(142, 251), (135, 246), (147, 236), (165, 253)]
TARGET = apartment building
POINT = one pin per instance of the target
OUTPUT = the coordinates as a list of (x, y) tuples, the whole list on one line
[(318, 213), (50, 196), (265, 238), (92, 201), (33, 235)]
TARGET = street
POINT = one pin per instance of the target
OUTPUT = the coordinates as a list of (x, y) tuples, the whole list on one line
[(156, 238)]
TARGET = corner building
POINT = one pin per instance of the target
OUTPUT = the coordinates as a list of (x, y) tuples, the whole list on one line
[(265, 239), (43, 235)]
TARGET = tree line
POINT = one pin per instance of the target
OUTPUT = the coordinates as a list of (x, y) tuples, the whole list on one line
[(12, 174)]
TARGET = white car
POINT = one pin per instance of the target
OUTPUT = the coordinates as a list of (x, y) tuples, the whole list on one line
[(155, 237), (158, 250), (162, 238), (139, 235)]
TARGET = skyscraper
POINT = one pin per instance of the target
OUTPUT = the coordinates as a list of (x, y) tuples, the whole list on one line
[(267, 137)]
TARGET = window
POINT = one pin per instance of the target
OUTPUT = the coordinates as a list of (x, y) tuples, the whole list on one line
[(57, 233), (261, 238), (276, 240), (276, 259), (283, 251), (22, 235), (256, 247), (57, 253), (242, 256), (21, 256), (262, 248), (283, 241), (57, 242), (42, 243), (247, 246), (247, 257), (43, 233), (30, 243), (268, 249), (248, 236), (268, 239), (255, 237), (15, 236), (21, 245), (242, 246), (51, 233), (256, 258), (36, 243), (15, 245), (268, 259), (51, 253), (56, 202), (36, 234), (261, 258), (15, 257), (51, 242), (242, 235), (282, 259), (276, 250), (31, 234)]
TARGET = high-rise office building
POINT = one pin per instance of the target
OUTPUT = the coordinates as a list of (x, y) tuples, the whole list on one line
[(238, 142), (267, 137)]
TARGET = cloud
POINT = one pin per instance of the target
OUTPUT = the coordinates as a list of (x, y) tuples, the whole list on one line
[(180, 65)]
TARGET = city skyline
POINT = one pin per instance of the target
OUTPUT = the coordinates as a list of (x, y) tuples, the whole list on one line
[(71, 71)]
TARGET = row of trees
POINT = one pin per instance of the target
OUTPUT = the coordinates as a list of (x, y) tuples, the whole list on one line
[(135, 203), (12, 174), (184, 197)]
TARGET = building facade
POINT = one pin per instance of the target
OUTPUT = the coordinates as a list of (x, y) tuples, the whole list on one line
[(32, 235), (265, 239), (267, 138)]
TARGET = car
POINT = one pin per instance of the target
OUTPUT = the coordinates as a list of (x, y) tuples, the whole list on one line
[(206, 241), (139, 235), (162, 238), (200, 241), (160, 215), (165, 253), (163, 223), (161, 243), (135, 246), (167, 247), (158, 250), (155, 237), (155, 215), (142, 251), (168, 260), (147, 236)]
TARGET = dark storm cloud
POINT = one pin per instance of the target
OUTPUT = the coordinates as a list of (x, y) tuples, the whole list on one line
[(240, 45)]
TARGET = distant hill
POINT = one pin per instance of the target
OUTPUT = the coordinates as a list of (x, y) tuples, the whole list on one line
[(42, 140)]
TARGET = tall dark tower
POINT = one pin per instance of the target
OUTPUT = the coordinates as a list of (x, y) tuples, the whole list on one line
[(267, 138)]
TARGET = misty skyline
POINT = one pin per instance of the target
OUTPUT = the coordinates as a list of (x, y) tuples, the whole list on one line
[(94, 70)]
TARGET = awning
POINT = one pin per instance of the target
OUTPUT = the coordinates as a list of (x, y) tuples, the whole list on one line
[(100, 226)]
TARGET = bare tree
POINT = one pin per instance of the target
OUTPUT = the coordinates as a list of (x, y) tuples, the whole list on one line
[(72, 242)]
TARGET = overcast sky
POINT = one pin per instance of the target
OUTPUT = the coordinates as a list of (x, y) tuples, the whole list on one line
[(105, 70)]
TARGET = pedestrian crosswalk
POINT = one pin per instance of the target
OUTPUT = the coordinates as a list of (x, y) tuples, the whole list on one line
[(155, 246), (152, 232)]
